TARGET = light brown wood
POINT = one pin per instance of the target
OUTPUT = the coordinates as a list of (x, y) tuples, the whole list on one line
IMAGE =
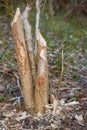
[(22, 58), (41, 90)]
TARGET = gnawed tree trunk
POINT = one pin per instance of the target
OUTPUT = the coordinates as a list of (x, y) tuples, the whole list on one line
[(35, 87), (41, 90), (22, 58), (28, 37)]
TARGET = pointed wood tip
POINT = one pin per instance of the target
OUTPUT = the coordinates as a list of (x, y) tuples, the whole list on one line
[(41, 39), (17, 14)]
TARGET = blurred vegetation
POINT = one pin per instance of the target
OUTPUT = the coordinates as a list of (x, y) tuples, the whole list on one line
[(73, 7), (57, 29), (1, 99), (8, 7)]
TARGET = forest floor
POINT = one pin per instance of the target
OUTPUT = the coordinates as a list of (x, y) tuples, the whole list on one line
[(68, 110)]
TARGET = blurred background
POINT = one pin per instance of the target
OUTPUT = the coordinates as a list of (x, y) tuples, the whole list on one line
[(63, 23)]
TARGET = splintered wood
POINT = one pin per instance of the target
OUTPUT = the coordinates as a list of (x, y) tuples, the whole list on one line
[(22, 58), (41, 90)]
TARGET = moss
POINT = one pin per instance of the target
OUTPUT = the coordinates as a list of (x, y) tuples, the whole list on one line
[(2, 99)]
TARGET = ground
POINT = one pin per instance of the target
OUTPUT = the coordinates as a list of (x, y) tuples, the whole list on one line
[(67, 47)]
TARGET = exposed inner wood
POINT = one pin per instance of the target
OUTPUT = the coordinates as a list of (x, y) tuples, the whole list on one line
[(22, 59), (41, 90)]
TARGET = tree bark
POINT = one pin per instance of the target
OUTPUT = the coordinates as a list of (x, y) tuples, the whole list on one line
[(41, 90), (51, 7), (22, 58), (37, 21), (28, 36)]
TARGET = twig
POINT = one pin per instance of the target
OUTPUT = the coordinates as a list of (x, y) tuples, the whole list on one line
[(8, 61), (37, 14), (62, 70), (18, 83), (17, 99), (4, 125)]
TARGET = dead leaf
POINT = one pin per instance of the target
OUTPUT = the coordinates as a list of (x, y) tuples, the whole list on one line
[(79, 119), (72, 103), (53, 125), (22, 116), (8, 114)]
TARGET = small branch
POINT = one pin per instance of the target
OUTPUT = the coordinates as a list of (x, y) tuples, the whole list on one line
[(18, 83), (37, 14), (61, 76), (17, 102), (37, 20)]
